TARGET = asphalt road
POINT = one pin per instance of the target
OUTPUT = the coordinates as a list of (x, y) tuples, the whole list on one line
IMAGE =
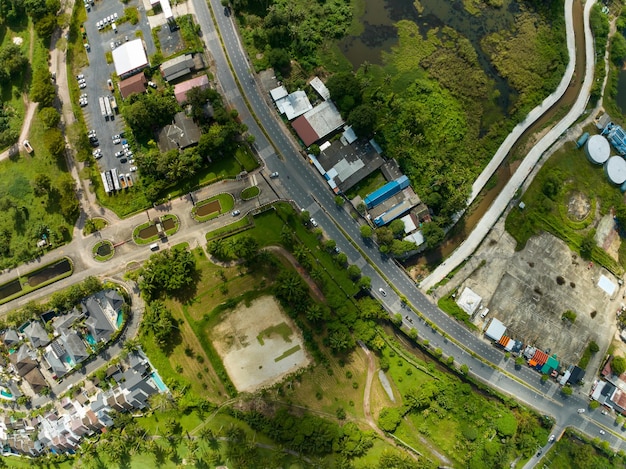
[(306, 187)]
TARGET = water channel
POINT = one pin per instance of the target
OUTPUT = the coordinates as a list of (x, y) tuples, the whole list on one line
[(379, 35)]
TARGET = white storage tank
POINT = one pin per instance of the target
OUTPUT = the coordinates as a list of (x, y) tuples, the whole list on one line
[(598, 149), (615, 169)]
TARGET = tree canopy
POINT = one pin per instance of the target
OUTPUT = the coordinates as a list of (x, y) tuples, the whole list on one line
[(168, 272)]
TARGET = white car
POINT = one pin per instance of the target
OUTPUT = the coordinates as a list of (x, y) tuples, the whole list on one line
[(133, 168), (116, 141), (581, 411), (82, 86), (152, 84), (83, 102), (125, 146), (115, 137), (80, 77), (604, 412), (95, 152), (119, 154), (313, 222), (114, 16), (551, 440), (382, 292), (98, 156), (602, 432), (128, 153), (235, 213), (131, 160)]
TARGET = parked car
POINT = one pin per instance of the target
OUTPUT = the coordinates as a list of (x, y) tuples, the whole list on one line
[(87, 47), (152, 84), (110, 84), (119, 154), (115, 136), (128, 153), (80, 77), (133, 168), (91, 133), (116, 141), (313, 222), (123, 160), (581, 411), (235, 213), (602, 432), (274, 175), (125, 146), (604, 412), (112, 45), (27, 146), (82, 86)]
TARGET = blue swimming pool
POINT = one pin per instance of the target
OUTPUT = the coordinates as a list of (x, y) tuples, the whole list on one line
[(158, 381), (90, 340), (6, 394), (120, 319)]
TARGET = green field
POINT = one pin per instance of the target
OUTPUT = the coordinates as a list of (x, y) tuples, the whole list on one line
[(565, 174), (586, 454)]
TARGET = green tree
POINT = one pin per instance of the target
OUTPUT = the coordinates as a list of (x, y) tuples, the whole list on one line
[(159, 321), (55, 143), (366, 232), (618, 49), (345, 91), (42, 90), (397, 227), (50, 117), (364, 283), (618, 365), (354, 272), (12, 62), (587, 244), (363, 120), (168, 272), (433, 234), (567, 390), (41, 184), (280, 60), (339, 201), (384, 236)]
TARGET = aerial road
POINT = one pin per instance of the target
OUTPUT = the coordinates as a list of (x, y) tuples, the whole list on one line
[(302, 184)]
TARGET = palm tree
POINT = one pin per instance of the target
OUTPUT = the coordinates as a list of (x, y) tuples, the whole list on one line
[(131, 345)]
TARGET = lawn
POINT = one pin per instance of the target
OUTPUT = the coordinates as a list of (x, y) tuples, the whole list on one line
[(367, 185), (571, 172), (250, 192), (207, 209)]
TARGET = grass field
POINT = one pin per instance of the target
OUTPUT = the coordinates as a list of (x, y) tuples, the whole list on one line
[(367, 185), (573, 447), (225, 203), (250, 192)]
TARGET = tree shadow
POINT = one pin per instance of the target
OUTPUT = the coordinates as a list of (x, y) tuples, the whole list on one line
[(186, 294)]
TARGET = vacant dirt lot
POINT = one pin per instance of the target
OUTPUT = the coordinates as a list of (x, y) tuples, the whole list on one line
[(529, 291), (259, 344)]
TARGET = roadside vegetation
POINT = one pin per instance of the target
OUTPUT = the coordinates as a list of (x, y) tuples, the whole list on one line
[(587, 454), (617, 56), (565, 181)]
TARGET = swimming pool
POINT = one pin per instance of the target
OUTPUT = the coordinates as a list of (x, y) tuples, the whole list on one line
[(90, 340), (158, 381), (120, 319), (6, 394)]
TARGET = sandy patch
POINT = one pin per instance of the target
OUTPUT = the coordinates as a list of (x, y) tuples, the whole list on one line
[(578, 206), (259, 344)]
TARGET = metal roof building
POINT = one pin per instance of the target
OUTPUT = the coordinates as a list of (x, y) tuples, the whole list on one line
[(317, 123), (129, 58), (180, 90), (386, 191), (598, 149), (177, 67), (319, 86), (294, 104)]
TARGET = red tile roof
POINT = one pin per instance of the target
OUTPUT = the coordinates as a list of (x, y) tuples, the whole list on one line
[(135, 84), (305, 131), (540, 357)]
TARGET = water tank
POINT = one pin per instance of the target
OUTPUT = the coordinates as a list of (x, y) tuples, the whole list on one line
[(615, 169), (598, 149)]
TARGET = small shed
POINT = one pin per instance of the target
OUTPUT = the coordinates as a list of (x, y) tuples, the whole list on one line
[(469, 301), (495, 330), (607, 285)]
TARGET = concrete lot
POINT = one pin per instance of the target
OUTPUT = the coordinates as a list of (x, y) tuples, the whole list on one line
[(99, 71), (520, 289)]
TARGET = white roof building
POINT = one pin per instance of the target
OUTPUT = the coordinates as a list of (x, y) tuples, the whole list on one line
[(129, 58), (319, 86), (496, 330), (294, 104), (469, 301), (607, 285)]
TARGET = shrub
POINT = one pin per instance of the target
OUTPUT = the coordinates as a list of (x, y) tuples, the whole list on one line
[(389, 420)]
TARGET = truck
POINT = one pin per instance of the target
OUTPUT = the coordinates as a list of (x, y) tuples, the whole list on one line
[(113, 103), (129, 180), (116, 181), (107, 104), (102, 107), (123, 181), (110, 84)]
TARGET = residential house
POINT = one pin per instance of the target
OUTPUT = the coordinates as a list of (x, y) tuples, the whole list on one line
[(10, 337), (36, 334), (183, 132), (103, 310)]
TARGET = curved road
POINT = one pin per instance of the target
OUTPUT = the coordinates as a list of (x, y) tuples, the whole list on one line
[(299, 182)]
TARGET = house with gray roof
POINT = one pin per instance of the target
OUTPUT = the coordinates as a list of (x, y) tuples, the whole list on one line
[(102, 310), (10, 337), (74, 347), (23, 360), (55, 365), (36, 334)]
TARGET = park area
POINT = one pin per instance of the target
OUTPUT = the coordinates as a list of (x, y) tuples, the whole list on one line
[(213, 207), (258, 344)]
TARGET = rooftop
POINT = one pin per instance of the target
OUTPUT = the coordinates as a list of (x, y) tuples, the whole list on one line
[(317, 123), (129, 57), (135, 84), (181, 89), (181, 133), (294, 104)]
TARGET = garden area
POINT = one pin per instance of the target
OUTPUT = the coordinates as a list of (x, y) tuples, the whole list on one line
[(213, 207), (588, 455), (103, 250), (152, 230), (250, 192), (573, 200)]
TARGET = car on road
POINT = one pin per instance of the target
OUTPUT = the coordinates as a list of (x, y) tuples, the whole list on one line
[(604, 412), (112, 45), (27, 146), (116, 141), (382, 292), (551, 440), (581, 411), (235, 213), (539, 453), (119, 154), (313, 222), (602, 432), (274, 175)]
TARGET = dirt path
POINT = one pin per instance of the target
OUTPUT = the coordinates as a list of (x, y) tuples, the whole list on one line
[(319, 296), (371, 369), (30, 106)]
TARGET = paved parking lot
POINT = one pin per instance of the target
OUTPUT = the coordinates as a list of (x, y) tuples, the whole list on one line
[(99, 71)]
